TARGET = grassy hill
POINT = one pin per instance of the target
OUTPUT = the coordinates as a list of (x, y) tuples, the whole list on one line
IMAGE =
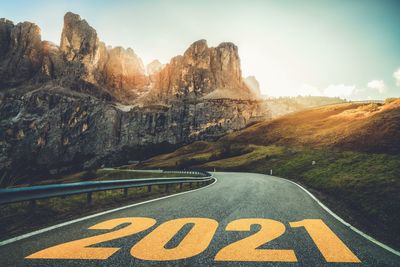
[(348, 154)]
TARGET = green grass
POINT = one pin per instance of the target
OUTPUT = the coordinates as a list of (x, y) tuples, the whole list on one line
[(252, 153)]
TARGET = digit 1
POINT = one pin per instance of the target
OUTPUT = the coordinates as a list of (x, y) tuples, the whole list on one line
[(330, 246)]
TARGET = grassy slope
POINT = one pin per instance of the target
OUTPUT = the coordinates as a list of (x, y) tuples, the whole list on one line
[(356, 149)]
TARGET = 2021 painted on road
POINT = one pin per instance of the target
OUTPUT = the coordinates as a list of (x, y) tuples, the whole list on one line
[(153, 246)]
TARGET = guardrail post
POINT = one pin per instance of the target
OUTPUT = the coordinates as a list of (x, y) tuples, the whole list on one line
[(181, 186), (89, 198), (32, 204), (149, 188), (166, 188), (125, 192), (191, 185)]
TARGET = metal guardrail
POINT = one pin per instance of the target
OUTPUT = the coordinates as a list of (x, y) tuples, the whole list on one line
[(33, 193), (368, 101), (198, 172)]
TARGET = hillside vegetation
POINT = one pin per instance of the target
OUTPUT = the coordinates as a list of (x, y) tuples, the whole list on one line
[(348, 154)]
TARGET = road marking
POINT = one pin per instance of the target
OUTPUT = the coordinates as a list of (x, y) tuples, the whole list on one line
[(373, 240), (152, 247), (11, 240), (328, 243), (80, 249), (247, 249)]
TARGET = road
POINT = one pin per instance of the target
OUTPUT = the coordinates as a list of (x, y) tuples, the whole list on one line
[(235, 196)]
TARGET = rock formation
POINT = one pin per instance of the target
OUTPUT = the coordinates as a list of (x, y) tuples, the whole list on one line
[(21, 52), (79, 42), (82, 104), (202, 72), (154, 67), (123, 74), (120, 71), (253, 84)]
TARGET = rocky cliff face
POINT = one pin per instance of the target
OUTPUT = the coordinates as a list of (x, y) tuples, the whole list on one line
[(202, 72), (123, 74), (88, 63), (57, 130), (66, 107), (21, 52)]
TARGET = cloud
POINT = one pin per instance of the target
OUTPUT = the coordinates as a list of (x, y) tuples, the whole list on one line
[(396, 75), (378, 85), (340, 90)]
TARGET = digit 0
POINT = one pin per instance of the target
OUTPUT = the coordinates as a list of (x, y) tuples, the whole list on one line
[(152, 246)]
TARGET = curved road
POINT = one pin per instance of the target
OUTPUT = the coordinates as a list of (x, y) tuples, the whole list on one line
[(234, 196)]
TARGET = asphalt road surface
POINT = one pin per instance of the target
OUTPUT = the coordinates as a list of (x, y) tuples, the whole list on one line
[(263, 204)]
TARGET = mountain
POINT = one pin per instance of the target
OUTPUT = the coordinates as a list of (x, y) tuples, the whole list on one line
[(202, 73), (83, 104), (154, 67)]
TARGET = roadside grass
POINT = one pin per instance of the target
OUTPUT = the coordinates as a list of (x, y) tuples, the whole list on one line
[(197, 152), (20, 218), (253, 153)]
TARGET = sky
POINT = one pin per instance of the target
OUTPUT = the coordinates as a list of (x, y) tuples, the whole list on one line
[(345, 48)]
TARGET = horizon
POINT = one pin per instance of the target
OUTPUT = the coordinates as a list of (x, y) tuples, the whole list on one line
[(323, 49)]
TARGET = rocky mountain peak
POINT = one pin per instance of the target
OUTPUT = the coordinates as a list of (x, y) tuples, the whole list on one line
[(253, 84), (117, 70), (78, 39), (123, 73), (227, 56), (197, 48), (84, 63), (5, 31), (21, 52), (154, 67), (202, 72)]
